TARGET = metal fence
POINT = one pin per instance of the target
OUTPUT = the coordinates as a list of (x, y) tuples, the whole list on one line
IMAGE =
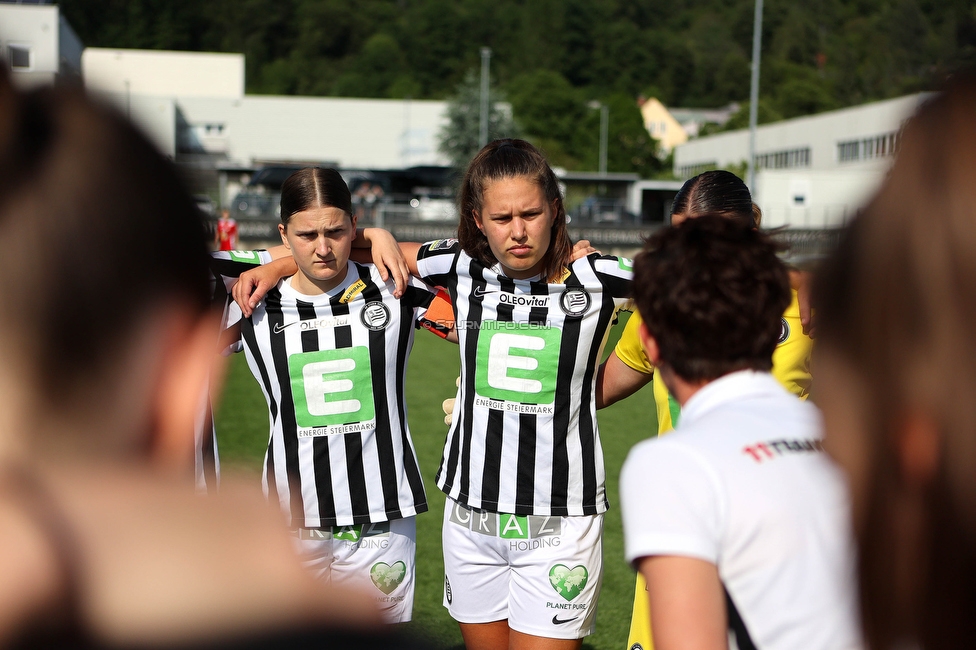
[(802, 246)]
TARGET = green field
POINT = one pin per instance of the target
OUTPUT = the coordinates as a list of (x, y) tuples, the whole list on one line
[(242, 426)]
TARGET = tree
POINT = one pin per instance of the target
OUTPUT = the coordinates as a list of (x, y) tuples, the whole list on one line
[(740, 119), (458, 139), (630, 148), (549, 111)]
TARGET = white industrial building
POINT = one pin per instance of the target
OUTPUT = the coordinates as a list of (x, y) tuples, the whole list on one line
[(38, 45), (194, 103), (814, 171)]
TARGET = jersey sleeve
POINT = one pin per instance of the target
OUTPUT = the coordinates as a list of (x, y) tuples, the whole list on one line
[(436, 262), (671, 503), (225, 268), (791, 359), (629, 348), (615, 273)]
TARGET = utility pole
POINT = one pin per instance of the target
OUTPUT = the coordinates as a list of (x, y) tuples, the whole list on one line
[(604, 128), (754, 95), (485, 67)]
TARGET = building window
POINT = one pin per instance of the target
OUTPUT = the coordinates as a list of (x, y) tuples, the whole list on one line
[(687, 171), (880, 146), (787, 159), (19, 57), (847, 151)]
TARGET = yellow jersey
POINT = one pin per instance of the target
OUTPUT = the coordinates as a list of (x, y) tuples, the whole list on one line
[(791, 362)]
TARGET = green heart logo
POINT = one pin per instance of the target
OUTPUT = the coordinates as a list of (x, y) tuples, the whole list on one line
[(388, 577), (567, 582)]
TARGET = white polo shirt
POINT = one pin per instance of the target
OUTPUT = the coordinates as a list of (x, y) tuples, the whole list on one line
[(743, 483)]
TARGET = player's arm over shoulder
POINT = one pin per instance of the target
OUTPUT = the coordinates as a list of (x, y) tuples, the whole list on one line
[(615, 273)]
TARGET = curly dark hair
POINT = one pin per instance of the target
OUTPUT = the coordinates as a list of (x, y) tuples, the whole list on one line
[(712, 293), (511, 158)]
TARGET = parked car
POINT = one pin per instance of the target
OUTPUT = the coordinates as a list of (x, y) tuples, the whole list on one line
[(260, 198)]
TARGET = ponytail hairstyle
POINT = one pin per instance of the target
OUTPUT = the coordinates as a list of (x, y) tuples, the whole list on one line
[(717, 192)]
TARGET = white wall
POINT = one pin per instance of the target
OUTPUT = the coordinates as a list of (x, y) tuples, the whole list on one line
[(808, 199), (363, 133), (36, 27), (154, 116), (821, 133), (207, 90), (162, 73)]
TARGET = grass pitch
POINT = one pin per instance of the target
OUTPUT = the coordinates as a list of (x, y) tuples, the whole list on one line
[(242, 431)]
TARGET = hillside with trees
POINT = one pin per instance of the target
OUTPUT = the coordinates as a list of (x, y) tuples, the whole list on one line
[(552, 58)]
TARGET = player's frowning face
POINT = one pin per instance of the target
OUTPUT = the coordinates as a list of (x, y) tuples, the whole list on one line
[(517, 221), (320, 240)]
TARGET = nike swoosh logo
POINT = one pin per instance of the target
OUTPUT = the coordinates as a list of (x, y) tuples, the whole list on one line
[(481, 293), (279, 328), (556, 621)]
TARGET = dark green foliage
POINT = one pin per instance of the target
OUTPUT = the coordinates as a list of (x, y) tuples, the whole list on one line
[(458, 139), (694, 53), (817, 55)]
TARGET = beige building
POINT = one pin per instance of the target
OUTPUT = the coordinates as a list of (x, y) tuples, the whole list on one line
[(661, 125)]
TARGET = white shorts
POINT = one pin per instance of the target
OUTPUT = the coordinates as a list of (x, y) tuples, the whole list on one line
[(543, 574), (379, 556)]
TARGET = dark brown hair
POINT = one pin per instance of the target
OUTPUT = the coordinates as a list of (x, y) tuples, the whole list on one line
[(712, 293), (896, 305), (97, 230), (717, 192), (313, 187), (511, 158)]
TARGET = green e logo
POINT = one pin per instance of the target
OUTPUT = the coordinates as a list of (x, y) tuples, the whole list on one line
[(517, 362), (248, 257), (331, 387)]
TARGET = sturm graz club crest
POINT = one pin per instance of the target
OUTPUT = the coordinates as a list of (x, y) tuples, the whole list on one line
[(375, 315), (575, 301), (784, 332)]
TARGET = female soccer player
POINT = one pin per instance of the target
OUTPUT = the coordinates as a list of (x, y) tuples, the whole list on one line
[(627, 369), (522, 464), (329, 346)]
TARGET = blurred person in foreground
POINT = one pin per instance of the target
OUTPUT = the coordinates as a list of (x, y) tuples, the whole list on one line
[(106, 348), (736, 520), (898, 403)]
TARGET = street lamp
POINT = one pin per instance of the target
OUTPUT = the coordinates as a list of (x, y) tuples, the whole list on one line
[(754, 95), (604, 127), (485, 65)]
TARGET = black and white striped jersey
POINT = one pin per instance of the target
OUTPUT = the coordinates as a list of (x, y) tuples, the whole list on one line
[(225, 267), (332, 369), (524, 438)]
